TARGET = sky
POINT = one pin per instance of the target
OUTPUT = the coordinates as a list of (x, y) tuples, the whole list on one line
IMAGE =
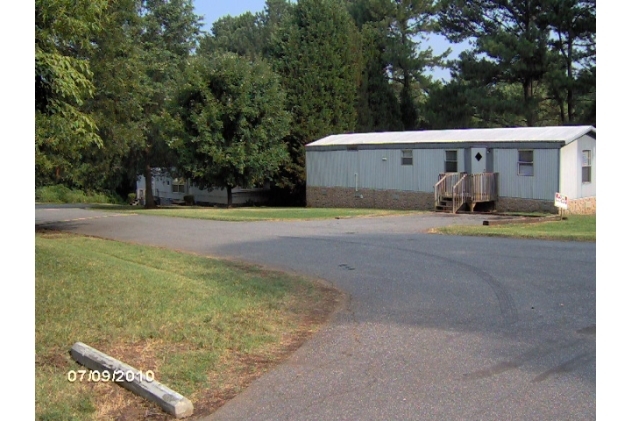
[(213, 10)]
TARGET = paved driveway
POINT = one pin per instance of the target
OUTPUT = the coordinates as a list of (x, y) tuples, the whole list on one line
[(435, 328)]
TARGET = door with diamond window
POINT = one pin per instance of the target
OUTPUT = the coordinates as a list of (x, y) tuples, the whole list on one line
[(478, 160)]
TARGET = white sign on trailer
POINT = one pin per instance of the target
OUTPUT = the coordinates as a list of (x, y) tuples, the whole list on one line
[(560, 201)]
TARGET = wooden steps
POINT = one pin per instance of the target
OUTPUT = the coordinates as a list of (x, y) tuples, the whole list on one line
[(445, 205), (455, 191)]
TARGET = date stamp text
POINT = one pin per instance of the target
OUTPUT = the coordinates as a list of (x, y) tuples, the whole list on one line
[(119, 376)]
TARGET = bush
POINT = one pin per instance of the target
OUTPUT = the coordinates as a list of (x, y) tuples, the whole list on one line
[(189, 200), (62, 194), (131, 197)]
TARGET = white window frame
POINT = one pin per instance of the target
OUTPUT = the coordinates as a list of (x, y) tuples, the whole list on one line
[(407, 157), (522, 163), (178, 185), (588, 166), (451, 161)]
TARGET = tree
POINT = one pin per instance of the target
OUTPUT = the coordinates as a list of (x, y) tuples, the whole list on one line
[(377, 99), (117, 103), (448, 107), (249, 35), (242, 35), (573, 42), (412, 21), (395, 61), (169, 31), (511, 44), (232, 120), (63, 81), (317, 55), (378, 106)]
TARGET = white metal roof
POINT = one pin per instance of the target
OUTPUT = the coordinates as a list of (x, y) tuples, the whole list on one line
[(565, 134)]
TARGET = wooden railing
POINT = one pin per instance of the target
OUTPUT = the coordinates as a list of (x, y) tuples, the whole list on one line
[(464, 188), (483, 187), (460, 193), (444, 187)]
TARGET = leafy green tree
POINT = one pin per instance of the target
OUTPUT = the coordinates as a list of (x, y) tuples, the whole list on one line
[(232, 120), (317, 54), (274, 13), (63, 81), (169, 31), (248, 35), (242, 35), (117, 103), (510, 44)]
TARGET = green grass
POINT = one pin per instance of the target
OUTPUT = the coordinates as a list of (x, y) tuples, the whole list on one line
[(575, 228), (257, 213), (63, 194), (529, 214), (188, 318)]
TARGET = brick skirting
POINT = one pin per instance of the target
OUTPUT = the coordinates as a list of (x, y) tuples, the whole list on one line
[(342, 197), (584, 206), (514, 204)]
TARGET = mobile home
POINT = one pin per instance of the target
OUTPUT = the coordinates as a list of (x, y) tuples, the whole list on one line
[(506, 169)]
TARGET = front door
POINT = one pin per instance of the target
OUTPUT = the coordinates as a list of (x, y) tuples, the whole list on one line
[(478, 160)]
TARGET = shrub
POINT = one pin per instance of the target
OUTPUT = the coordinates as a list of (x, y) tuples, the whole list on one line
[(62, 194), (189, 200)]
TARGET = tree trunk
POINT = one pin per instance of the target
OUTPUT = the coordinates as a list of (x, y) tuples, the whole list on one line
[(409, 114), (570, 78), (229, 190), (149, 202), (562, 110), (531, 118)]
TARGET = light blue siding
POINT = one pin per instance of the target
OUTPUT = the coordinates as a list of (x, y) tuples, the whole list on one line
[(542, 185), (332, 168), (381, 169), (378, 169)]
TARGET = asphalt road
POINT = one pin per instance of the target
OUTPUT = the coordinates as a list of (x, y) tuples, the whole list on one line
[(435, 327)]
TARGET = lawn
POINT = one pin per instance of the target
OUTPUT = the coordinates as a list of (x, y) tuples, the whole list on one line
[(574, 228), (205, 327), (256, 213)]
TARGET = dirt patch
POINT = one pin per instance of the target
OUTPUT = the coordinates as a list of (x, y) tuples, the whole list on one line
[(55, 360), (48, 232), (240, 370)]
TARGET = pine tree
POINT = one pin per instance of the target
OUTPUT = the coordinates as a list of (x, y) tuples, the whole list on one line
[(317, 55), (510, 44), (394, 60), (573, 41)]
